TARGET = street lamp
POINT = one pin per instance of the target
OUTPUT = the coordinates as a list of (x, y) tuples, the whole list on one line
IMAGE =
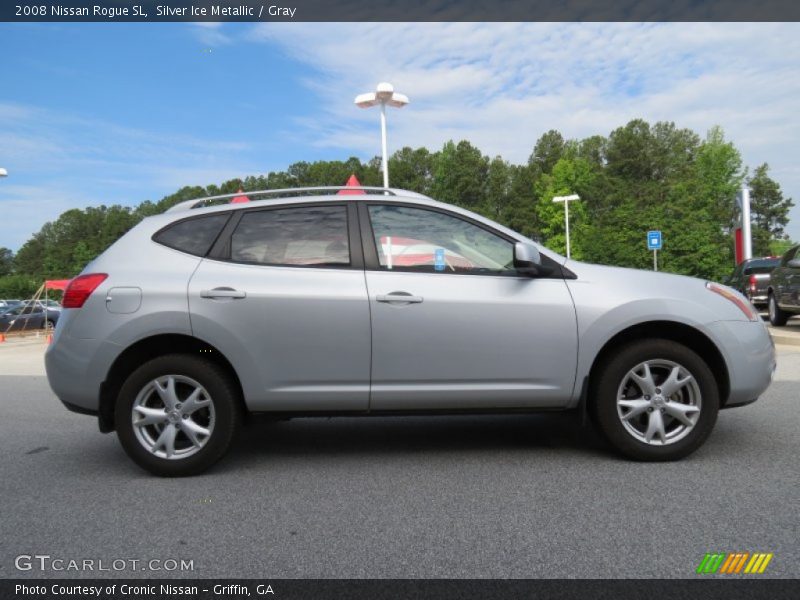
[(566, 200), (384, 95), (3, 173)]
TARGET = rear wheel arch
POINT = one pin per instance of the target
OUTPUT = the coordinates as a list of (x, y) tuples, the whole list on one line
[(673, 331), (145, 350)]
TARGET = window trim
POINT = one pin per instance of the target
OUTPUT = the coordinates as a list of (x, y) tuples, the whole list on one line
[(227, 214), (372, 263), (221, 250)]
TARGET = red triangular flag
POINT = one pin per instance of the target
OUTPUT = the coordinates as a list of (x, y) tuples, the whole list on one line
[(241, 198), (352, 182)]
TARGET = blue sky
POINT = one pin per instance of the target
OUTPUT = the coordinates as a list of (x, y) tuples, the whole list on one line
[(119, 113)]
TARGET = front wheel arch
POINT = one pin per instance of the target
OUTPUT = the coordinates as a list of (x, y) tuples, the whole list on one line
[(672, 331)]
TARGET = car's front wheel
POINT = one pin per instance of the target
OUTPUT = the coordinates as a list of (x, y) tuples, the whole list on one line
[(777, 316), (177, 415), (655, 400)]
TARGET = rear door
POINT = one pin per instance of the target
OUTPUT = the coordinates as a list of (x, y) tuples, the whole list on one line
[(785, 280), (793, 283), (453, 325), (283, 296)]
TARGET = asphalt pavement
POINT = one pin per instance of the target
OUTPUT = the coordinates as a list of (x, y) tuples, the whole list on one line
[(469, 496)]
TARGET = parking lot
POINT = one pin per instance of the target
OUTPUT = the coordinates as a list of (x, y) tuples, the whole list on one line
[(471, 496)]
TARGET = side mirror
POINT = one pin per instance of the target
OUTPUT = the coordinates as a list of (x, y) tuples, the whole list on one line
[(528, 261), (794, 263)]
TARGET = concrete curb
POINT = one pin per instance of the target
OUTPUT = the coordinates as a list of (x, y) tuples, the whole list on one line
[(784, 338)]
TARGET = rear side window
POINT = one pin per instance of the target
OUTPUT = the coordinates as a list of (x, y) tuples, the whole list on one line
[(300, 236), (193, 236), (761, 266)]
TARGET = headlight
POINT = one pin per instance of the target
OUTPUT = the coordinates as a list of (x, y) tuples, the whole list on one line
[(748, 309)]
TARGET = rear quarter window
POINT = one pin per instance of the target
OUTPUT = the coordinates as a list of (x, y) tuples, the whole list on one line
[(194, 235)]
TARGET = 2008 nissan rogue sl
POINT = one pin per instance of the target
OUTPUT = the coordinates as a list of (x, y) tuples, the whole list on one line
[(314, 303)]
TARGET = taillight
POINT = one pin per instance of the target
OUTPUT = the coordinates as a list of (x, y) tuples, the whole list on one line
[(80, 288), (753, 286)]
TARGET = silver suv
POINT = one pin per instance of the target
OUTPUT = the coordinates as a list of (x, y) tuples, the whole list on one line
[(314, 303)]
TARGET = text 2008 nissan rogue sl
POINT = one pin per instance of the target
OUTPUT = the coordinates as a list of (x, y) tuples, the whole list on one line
[(313, 303)]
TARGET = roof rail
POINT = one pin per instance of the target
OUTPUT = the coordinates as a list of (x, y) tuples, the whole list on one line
[(200, 202)]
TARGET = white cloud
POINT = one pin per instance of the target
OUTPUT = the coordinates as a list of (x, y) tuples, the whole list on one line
[(57, 161), (501, 85), (210, 33)]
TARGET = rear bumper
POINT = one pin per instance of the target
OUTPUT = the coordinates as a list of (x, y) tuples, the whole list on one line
[(759, 298), (79, 409), (76, 368), (750, 355)]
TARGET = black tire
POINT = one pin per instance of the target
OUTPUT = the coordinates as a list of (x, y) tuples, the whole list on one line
[(611, 375), (49, 325), (777, 316), (224, 398)]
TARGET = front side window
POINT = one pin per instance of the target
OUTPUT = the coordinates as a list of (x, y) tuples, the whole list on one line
[(416, 239), (302, 236)]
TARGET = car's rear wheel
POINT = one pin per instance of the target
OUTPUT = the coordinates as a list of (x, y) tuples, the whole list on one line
[(655, 400), (177, 415), (777, 316)]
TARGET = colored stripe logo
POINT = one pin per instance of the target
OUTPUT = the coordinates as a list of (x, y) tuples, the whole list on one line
[(734, 563)]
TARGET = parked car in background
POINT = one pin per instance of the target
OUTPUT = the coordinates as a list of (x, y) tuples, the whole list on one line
[(51, 304), (4, 304), (784, 288), (28, 318), (751, 278)]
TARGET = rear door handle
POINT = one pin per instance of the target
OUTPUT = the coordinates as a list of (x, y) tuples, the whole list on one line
[(222, 292), (399, 298)]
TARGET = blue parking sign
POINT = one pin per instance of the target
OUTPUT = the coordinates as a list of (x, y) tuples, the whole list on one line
[(654, 240)]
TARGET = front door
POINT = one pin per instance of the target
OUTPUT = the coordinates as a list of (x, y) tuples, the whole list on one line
[(453, 325)]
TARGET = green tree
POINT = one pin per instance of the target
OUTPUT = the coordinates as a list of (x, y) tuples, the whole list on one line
[(642, 176), (497, 189), (6, 261), (18, 286), (459, 175), (548, 151), (569, 176), (412, 169), (769, 210), (519, 211)]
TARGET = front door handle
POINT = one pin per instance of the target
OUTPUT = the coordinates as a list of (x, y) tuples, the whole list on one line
[(399, 298), (222, 292)]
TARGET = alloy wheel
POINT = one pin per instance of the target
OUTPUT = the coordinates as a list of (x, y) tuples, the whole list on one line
[(659, 402), (173, 417)]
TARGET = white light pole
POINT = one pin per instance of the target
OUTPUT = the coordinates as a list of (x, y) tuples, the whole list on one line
[(747, 239), (384, 95), (566, 200)]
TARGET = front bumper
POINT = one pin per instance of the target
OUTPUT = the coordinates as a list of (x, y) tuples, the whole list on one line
[(749, 352)]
